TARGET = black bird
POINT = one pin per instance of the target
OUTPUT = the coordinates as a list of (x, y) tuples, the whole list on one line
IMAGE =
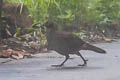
[(66, 43)]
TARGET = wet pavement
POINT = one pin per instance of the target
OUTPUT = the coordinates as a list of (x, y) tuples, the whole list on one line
[(99, 67)]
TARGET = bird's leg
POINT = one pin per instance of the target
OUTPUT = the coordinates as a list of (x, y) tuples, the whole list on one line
[(66, 58), (85, 61)]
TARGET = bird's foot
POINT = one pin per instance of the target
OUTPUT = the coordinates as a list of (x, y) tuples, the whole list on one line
[(85, 63), (82, 65), (57, 65)]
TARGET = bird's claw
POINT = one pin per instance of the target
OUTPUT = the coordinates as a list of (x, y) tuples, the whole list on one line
[(56, 65), (82, 65)]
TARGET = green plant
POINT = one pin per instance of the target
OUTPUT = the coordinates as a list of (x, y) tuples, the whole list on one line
[(97, 14)]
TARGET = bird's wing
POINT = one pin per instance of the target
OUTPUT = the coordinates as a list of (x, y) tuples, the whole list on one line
[(69, 38)]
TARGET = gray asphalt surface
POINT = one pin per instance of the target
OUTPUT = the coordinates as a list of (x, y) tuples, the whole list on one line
[(99, 67)]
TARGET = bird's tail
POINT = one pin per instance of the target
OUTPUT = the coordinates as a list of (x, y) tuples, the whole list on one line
[(87, 46)]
